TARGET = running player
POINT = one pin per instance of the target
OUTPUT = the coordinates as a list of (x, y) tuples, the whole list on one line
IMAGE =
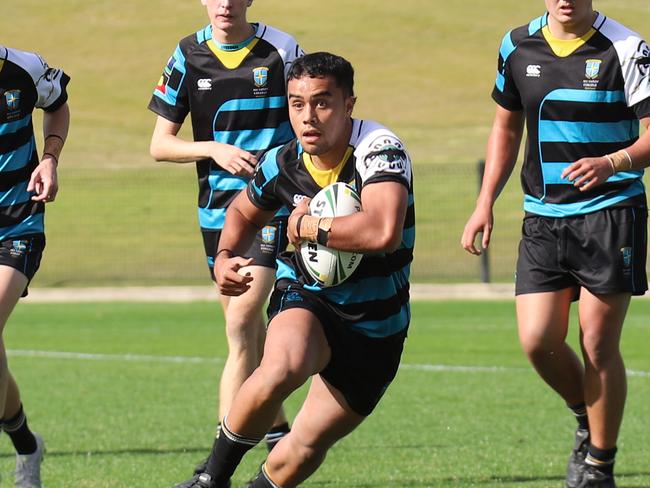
[(347, 338), (581, 83), (230, 78), (26, 184)]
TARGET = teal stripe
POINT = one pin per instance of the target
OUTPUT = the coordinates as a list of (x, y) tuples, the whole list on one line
[(33, 224), (553, 174), (242, 104), (587, 96), (212, 218), (11, 127), (18, 158), (507, 46), (539, 207), (408, 237), (256, 140), (364, 290), (285, 271), (269, 165), (581, 132), (224, 181), (536, 24)]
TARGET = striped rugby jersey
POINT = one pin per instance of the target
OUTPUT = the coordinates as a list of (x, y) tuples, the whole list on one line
[(26, 82), (235, 94), (378, 290), (582, 98)]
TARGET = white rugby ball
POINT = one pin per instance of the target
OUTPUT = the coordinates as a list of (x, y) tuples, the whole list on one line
[(331, 267)]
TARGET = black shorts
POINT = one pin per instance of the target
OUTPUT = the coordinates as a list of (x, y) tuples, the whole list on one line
[(360, 367), (269, 242), (604, 252), (23, 254)]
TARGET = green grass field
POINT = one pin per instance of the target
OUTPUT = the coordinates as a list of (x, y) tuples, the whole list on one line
[(425, 68), (133, 402)]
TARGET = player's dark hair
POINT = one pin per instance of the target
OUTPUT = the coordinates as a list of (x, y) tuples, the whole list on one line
[(318, 65)]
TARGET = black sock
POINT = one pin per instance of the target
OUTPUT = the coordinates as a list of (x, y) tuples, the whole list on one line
[(580, 412), (601, 459), (262, 480), (18, 431), (276, 433), (227, 452)]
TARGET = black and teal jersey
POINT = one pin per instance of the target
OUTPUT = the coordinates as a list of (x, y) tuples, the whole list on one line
[(26, 83), (581, 98), (378, 291), (235, 94)]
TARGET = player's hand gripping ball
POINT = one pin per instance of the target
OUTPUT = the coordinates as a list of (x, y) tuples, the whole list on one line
[(327, 266)]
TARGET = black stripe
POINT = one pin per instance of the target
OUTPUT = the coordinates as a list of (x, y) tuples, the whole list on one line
[(221, 199), (383, 266), (566, 152), (251, 119), (586, 112), (570, 194), (11, 142), (15, 214), (409, 220), (378, 309), (9, 179)]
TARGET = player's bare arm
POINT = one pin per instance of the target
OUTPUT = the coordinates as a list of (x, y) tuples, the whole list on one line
[(586, 173), (166, 145), (44, 181), (243, 221), (502, 149)]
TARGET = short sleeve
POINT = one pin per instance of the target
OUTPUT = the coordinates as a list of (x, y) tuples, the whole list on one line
[(636, 73), (51, 84), (505, 91), (261, 188), (382, 157), (170, 98)]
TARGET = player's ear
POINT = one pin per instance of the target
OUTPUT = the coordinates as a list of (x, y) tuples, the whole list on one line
[(349, 104)]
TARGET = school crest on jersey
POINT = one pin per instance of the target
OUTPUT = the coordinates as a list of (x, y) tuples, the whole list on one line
[(268, 234), (260, 76), (592, 68), (12, 99)]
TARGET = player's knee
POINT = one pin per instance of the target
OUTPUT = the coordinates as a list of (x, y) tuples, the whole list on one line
[(536, 345), (600, 351), (283, 376)]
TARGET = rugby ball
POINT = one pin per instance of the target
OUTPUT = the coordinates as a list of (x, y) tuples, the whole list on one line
[(331, 267)]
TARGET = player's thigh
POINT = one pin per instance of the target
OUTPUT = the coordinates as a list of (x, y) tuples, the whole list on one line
[(543, 318), (12, 286), (295, 344), (255, 297), (324, 418)]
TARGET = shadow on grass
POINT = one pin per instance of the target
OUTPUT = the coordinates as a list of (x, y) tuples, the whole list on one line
[(118, 452)]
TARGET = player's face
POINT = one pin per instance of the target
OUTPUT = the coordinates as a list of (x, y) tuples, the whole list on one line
[(320, 114), (570, 13), (227, 15)]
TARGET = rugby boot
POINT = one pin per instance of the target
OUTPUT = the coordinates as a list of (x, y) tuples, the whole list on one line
[(576, 465), (593, 478), (28, 466)]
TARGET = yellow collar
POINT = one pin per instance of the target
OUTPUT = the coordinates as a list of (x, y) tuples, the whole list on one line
[(565, 47), (324, 177)]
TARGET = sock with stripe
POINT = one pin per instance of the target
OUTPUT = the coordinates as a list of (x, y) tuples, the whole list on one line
[(18, 431), (227, 452), (580, 413), (262, 480), (276, 433), (602, 459)]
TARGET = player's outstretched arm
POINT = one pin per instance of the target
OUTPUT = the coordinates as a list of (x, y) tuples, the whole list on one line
[(243, 221), (586, 173), (44, 181), (167, 146), (502, 149)]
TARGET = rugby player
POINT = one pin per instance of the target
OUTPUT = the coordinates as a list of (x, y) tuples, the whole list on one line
[(348, 338), (580, 82), (230, 78), (27, 182)]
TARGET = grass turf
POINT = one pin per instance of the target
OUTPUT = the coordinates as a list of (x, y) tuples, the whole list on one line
[(132, 417)]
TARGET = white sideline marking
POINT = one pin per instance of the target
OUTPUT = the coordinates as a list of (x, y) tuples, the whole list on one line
[(143, 358)]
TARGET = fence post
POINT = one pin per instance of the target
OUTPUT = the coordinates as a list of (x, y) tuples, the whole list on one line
[(485, 261)]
